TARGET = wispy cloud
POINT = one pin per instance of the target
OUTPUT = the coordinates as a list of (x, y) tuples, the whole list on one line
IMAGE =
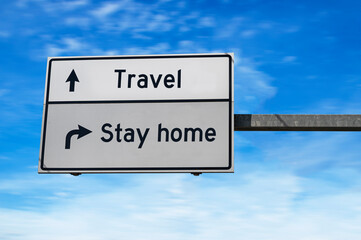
[(4, 34), (74, 4), (76, 46), (314, 152), (289, 59), (108, 8), (248, 33), (65, 46), (231, 27), (4, 157), (252, 86), (3, 92), (53, 6), (82, 22), (14, 109), (207, 22), (251, 206), (160, 48)]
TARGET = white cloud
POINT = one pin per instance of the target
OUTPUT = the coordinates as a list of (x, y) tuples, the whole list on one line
[(133, 17), (207, 22), (136, 18), (160, 48), (4, 158), (23, 3), (187, 46), (314, 152), (292, 29), (231, 27), (75, 46), (3, 92), (82, 22), (256, 205), (266, 25), (248, 33), (54, 6), (108, 8), (158, 22), (19, 106), (289, 59), (4, 34), (75, 4), (252, 86), (65, 46)]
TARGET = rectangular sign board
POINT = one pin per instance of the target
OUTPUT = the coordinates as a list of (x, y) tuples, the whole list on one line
[(158, 113)]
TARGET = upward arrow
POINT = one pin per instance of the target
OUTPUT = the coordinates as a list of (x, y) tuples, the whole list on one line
[(72, 79)]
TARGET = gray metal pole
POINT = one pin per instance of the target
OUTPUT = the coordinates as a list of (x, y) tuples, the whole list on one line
[(297, 122)]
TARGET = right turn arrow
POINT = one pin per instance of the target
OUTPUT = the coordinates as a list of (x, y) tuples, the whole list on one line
[(81, 132)]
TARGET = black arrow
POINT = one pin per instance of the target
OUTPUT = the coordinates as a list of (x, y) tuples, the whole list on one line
[(81, 132), (72, 79)]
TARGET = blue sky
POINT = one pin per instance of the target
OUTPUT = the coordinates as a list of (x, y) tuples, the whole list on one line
[(291, 57)]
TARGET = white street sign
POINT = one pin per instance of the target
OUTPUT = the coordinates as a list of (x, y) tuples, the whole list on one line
[(160, 113)]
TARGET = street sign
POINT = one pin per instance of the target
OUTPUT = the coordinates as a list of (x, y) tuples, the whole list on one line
[(159, 113)]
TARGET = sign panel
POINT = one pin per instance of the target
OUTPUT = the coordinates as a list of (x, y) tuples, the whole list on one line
[(162, 113), (139, 78)]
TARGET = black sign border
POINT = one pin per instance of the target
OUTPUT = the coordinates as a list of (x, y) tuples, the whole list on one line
[(149, 169)]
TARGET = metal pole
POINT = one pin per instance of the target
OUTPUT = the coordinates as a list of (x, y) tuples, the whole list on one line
[(297, 122)]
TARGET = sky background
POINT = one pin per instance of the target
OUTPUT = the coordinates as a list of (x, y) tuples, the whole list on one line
[(291, 57)]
